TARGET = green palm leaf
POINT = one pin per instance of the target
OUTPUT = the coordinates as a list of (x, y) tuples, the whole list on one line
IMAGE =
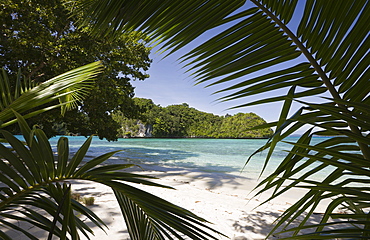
[(37, 190), (327, 54), (67, 88)]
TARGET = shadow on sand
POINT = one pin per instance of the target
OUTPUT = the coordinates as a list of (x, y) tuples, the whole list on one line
[(258, 224)]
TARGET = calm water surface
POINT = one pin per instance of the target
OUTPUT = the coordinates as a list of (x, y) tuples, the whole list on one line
[(210, 155)]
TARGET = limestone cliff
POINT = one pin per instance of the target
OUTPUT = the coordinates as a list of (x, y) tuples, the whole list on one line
[(137, 130)]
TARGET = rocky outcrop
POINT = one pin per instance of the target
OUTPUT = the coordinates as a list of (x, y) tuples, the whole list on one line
[(137, 130), (144, 130)]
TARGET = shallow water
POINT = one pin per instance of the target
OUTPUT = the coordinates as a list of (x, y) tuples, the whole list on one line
[(209, 155)]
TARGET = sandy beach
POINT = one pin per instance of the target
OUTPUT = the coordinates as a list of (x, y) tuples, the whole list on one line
[(223, 199)]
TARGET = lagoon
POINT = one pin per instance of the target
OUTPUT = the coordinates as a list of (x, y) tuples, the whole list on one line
[(206, 155)]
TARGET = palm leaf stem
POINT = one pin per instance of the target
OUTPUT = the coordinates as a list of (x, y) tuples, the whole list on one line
[(25, 191), (65, 195), (304, 50), (363, 147)]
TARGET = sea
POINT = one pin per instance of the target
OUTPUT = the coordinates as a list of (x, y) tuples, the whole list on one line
[(206, 155)]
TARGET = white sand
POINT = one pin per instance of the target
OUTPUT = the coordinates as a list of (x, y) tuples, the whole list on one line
[(222, 199)]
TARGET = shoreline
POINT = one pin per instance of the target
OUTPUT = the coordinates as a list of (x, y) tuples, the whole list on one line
[(186, 137)]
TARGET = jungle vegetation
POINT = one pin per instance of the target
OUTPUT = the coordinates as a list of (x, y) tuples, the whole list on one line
[(184, 121)]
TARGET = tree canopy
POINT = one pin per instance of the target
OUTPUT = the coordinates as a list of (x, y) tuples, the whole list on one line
[(42, 40), (181, 120)]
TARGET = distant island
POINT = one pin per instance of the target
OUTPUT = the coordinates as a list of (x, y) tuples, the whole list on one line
[(182, 121)]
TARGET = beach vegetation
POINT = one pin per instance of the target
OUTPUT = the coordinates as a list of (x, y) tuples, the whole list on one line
[(181, 120), (76, 196), (88, 201), (313, 54)]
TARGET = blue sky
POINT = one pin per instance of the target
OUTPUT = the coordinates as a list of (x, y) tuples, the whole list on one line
[(169, 84)]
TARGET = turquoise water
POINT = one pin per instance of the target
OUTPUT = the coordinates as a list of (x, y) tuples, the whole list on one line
[(209, 155)]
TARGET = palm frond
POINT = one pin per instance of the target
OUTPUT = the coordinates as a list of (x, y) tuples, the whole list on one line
[(36, 190), (67, 88), (261, 51), (174, 23)]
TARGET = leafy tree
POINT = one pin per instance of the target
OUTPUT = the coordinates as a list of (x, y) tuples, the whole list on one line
[(238, 126), (41, 38), (140, 114), (128, 127), (207, 125), (183, 121), (326, 55)]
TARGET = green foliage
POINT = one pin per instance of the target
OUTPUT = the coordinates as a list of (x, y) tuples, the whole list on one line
[(310, 48), (184, 121), (239, 125), (128, 126), (41, 38), (35, 182), (30, 99), (36, 189)]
